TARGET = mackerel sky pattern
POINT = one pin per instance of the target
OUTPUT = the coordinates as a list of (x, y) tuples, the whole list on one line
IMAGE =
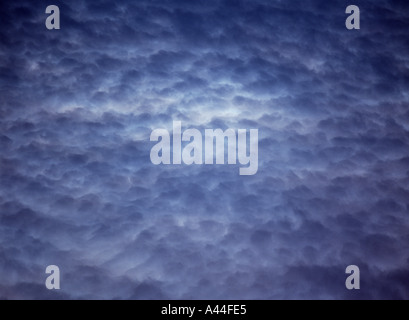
[(78, 189)]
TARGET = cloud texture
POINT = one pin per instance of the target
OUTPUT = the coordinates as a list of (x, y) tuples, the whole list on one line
[(77, 188)]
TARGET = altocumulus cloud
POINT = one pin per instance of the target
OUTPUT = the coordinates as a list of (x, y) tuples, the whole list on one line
[(78, 190)]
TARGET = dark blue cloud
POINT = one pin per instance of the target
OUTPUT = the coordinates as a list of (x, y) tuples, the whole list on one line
[(77, 188)]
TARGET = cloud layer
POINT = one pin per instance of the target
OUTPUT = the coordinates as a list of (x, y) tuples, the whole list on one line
[(77, 188)]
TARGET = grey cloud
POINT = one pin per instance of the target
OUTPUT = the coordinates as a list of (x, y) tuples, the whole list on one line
[(77, 187)]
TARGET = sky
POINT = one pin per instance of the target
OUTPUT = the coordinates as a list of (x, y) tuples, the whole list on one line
[(78, 189)]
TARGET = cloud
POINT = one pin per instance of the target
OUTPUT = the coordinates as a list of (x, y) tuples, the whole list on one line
[(77, 188)]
